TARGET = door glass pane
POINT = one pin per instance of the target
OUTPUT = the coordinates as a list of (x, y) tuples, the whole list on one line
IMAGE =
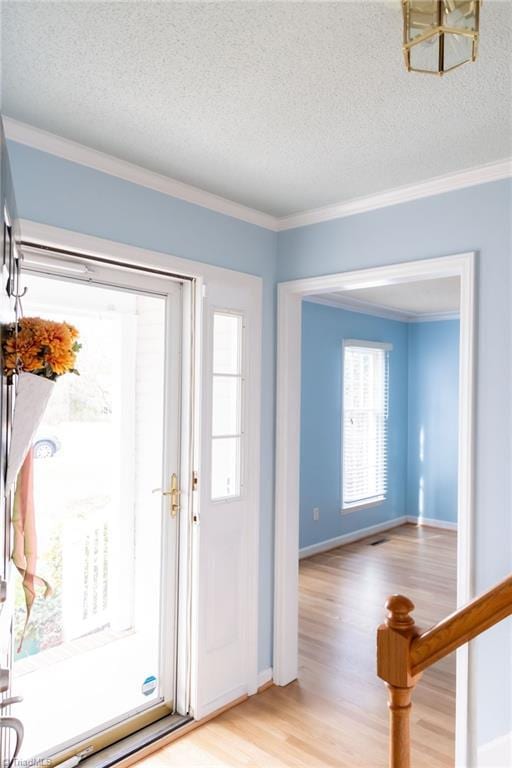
[(91, 652), (225, 467), (226, 405), (227, 337)]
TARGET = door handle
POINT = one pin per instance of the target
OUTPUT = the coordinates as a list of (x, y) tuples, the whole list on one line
[(174, 493), (10, 700)]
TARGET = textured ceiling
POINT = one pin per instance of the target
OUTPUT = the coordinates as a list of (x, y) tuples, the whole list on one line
[(282, 106), (422, 297)]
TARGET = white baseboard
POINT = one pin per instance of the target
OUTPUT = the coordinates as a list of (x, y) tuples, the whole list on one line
[(265, 676), (348, 538), (431, 522), (363, 533)]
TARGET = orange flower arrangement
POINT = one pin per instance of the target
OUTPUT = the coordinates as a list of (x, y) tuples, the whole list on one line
[(42, 347)]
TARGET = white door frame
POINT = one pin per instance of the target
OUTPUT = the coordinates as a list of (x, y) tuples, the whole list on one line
[(290, 295), (202, 273)]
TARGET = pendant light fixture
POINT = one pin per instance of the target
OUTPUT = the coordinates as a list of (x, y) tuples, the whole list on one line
[(440, 35)]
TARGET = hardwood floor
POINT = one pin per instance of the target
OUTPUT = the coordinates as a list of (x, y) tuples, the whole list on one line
[(335, 714)]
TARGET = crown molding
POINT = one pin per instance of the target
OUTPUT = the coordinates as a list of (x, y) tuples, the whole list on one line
[(379, 310), (482, 174), (361, 307), (434, 317), (23, 133)]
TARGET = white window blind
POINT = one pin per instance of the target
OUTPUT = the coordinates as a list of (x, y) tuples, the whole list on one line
[(365, 418)]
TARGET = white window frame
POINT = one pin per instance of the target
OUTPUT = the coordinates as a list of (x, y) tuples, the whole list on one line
[(369, 501), (241, 426)]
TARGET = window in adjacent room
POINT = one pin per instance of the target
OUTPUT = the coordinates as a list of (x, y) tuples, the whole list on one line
[(365, 419)]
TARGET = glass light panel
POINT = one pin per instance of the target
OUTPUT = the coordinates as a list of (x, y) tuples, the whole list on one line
[(227, 339), (423, 16), (424, 56), (226, 405), (457, 50), (225, 467), (460, 14)]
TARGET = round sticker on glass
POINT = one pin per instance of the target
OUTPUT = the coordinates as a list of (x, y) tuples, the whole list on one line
[(149, 685)]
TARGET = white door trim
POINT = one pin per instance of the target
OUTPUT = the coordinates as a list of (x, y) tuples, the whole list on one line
[(290, 295), (130, 255)]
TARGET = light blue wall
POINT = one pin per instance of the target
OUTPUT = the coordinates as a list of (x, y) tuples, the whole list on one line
[(473, 219), (422, 430), (323, 331), (53, 191), (433, 420)]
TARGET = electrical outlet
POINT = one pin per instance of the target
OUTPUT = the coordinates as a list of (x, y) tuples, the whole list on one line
[(316, 513)]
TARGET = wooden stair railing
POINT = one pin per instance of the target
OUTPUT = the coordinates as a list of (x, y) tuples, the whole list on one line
[(404, 652)]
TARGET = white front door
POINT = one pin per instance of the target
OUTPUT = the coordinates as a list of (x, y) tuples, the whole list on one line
[(100, 653), (220, 474), (227, 552)]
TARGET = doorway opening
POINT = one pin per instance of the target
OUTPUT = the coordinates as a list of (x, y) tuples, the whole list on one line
[(360, 569), (101, 651), (378, 490)]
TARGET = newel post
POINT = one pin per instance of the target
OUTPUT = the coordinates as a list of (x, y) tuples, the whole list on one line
[(393, 666)]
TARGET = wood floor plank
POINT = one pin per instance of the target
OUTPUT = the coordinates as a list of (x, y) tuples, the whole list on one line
[(335, 714)]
